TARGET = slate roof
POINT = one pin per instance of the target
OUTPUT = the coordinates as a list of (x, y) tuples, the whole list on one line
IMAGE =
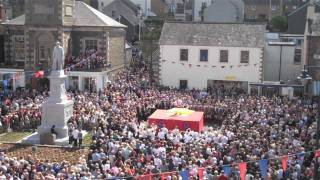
[(84, 15), (122, 8), (213, 34)]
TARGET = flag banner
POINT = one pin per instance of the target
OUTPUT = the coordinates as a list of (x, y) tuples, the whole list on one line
[(165, 175), (145, 177), (284, 161), (300, 158), (263, 165), (184, 175), (200, 173), (227, 170), (317, 153), (243, 170)]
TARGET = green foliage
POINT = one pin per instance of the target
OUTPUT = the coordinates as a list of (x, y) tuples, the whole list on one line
[(279, 23)]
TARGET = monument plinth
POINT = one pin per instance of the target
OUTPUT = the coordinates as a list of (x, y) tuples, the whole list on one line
[(57, 109)]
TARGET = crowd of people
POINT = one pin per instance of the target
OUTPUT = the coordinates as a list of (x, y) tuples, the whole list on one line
[(89, 60), (241, 128)]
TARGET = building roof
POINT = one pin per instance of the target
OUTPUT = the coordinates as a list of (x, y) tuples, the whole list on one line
[(84, 15), (224, 11), (123, 9), (18, 21), (213, 34)]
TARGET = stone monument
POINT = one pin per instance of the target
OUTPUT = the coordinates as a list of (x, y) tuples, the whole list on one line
[(57, 109)]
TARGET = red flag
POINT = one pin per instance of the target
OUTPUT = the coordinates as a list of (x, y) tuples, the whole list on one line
[(190, 65), (165, 175), (39, 74), (145, 177), (284, 160), (317, 153), (243, 170), (200, 173)]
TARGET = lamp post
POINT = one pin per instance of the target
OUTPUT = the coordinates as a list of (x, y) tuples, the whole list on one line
[(304, 77)]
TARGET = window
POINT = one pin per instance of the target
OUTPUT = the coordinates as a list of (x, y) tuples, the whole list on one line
[(19, 48), (183, 84), (113, 13), (183, 54), (203, 55), (253, 7), (244, 58), (91, 44), (68, 10), (274, 7), (224, 55), (297, 56)]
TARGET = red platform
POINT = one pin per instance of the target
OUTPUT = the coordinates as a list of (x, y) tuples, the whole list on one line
[(162, 118)]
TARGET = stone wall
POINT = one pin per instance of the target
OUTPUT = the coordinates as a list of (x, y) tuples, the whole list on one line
[(116, 48)]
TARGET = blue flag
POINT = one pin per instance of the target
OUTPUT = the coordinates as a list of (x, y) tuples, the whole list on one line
[(300, 158), (263, 165), (5, 83), (185, 175), (226, 170)]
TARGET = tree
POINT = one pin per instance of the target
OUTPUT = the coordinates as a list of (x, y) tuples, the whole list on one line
[(279, 23)]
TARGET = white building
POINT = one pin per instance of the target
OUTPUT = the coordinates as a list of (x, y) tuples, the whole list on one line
[(200, 55)]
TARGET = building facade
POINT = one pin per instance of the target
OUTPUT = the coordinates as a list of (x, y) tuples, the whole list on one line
[(30, 39), (203, 55), (265, 10), (312, 44)]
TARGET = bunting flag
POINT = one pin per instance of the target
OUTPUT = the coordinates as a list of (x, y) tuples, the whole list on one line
[(182, 64), (317, 153), (145, 177), (263, 165), (184, 175), (300, 158), (5, 83), (284, 161), (39, 74), (239, 65), (200, 173), (190, 65), (205, 65), (231, 66), (223, 67), (243, 170), (198, 65), (165, 175), (227, 170), (163, 60)]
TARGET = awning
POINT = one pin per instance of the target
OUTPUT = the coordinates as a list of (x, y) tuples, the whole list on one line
[(276, 85)]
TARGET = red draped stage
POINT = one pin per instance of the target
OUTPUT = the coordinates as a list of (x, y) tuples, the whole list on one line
[(162, 118)]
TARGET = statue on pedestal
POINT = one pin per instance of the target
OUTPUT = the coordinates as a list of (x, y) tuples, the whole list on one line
[(58, 57)]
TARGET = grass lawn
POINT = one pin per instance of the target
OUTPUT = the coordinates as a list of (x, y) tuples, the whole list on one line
[(13, 137), (87, 140)]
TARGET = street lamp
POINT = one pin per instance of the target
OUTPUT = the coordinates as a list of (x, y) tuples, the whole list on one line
[(304, 77)]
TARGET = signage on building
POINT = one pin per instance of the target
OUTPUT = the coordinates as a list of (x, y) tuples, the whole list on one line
[(316, 56), (230, 78)]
